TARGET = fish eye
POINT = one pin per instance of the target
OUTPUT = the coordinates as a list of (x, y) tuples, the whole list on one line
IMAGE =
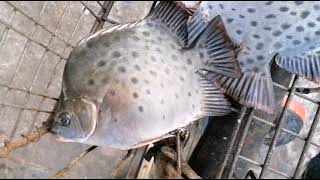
[(65, 119)]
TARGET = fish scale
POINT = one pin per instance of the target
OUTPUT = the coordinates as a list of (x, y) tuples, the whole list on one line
[(263, 30), (134, 83)]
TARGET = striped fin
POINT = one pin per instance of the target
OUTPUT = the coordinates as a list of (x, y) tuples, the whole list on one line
[(220, 51), (174, 16), (214, 102), (307, 66), (251, 89)]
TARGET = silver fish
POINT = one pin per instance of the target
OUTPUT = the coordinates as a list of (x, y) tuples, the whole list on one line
[(134, 83), (286, 30)]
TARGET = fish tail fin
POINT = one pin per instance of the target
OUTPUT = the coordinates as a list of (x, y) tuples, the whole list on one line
[(217, 51)]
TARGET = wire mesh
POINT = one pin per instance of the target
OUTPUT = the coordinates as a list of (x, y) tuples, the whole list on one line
[(34, 48)]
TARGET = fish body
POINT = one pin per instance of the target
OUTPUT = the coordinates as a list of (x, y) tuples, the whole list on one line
[(287, 30), (132, 84)]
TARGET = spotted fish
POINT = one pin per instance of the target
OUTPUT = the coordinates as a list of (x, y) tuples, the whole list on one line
[(288, 31), (134, 83)]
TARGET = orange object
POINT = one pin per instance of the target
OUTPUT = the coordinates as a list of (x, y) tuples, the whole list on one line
[(296, 107)]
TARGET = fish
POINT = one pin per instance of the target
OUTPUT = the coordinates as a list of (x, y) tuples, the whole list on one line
[(135, 83), (287, 32)]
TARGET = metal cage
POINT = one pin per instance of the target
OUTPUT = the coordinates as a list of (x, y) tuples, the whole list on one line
[(34, 47)]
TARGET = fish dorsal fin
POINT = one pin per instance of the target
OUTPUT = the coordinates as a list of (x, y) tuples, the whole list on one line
[(220, 51), (307, 65), (214, 102), (173, 16)]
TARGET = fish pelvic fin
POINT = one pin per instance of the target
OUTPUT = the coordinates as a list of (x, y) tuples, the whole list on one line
[(214, 102), (307, 66), (252, 89), (217, 51), (173, 15)]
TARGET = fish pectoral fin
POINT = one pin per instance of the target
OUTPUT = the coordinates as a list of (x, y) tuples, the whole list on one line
[(252, 89), (220, 52), (307, 66), (214, 102), (174, 16)]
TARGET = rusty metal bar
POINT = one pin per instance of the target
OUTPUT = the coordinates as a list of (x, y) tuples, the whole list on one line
[(240, 143), (231, 144), (278, 130), (307, 144)]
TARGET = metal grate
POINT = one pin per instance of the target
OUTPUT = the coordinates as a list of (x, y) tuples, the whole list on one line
[(33, 52)]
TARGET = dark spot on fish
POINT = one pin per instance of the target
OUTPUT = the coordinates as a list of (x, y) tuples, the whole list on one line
[(106, 44), (162, 101), (158, 49), (150, 24), (263, 74), (276, 33), (153, 58), (267, 28), (316, 7), (270, 16), (259, 46), (210, 6), (193, 106), (255, 69), (251, 10), (105, 80), (239, 32), (229, 20), (137, 67), (260, 58), (184, 68), (115, 120), (298, 2), (284, 9), (254, 23), (221, 6), (285, 26), (250, 61), (293, 13), (140, 108), (289, 37), (116, 38), (121, 69), (312, 47), (241, 16), (159, 39), (277, 45), (148, 91), (116, 54), (134, 80), (91, 82), (306, 38), (135, 95), (311, 24), (163, 117), (189, 61), (296, 42), (256, 36), (135, 38), (299, 29), (153, 73), (304, 14), (161, 85), (146, 81), (189, 94), (317, 33), (146, 33), (135, 54), (172, 46), (181, 78), (116, 81), (147, 47), (269, 3), (101, 63), (197, 91), (176, 95), (201, 55), (174, 57)]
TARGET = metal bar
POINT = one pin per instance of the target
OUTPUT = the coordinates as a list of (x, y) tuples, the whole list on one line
[(278, 130), (231, 144), (307, 144), (92, 13), (104, 15), (240, 143)]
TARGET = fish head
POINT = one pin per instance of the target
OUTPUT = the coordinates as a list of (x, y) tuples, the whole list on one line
[(75, 120)]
